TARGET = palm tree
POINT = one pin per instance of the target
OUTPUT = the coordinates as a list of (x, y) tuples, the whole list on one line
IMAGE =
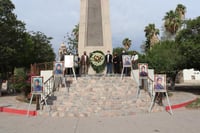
[(172, 22), (126, 43), (181, 10), (151, 33)]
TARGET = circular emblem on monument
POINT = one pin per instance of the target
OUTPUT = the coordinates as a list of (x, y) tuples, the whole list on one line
[(97, 60)]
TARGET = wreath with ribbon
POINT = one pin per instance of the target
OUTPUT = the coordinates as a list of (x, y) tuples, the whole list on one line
[(97, 60)]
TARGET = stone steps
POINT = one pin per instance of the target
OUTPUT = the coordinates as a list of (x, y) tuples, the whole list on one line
[(99, 96)]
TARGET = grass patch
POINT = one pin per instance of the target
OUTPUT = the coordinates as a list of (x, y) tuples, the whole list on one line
[(194, 105)]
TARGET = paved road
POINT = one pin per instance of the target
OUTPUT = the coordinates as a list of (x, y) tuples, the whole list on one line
[(183, 121)]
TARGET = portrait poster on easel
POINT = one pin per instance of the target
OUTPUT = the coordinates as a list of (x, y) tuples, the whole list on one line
[(58, 68), (126, 60), (69, 61), (143, 70), (37, 87), (37, 84), (160, 83), (159, 89)]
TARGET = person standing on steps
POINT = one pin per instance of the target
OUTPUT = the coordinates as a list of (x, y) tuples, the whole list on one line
[(77, 64), (108, 59), (134, 60), (116, 63), (84, 63)]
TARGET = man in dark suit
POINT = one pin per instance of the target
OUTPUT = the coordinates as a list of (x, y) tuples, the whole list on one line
[(108, 60), (116, 63), (84, 63)]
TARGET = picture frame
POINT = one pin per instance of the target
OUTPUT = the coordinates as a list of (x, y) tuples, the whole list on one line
[(143, 70), (58, 68), (69, 61), (160, 83), (126, 59), (37, 84)]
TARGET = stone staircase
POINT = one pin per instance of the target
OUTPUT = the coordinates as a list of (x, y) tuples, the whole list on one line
[(99, 96)]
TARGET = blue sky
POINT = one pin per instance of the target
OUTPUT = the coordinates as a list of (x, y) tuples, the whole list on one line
[(56, 18)]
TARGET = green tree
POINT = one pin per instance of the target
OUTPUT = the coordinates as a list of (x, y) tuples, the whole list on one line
[(118, 50), (173, 21), (164, 59), (11, 32), (151, 34), (126, 43), (72, 40), (19, 48), (42, 50), (75, 31), (189, 43)]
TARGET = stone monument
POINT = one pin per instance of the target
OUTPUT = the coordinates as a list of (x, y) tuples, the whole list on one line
[(94, 26)]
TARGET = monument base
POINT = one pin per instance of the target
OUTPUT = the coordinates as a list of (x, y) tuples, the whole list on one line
[(92, 72)]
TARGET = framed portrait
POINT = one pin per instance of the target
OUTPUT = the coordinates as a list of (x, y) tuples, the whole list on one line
[(143, 70), (58, 68), (126, 60), (37, 84), (160, 83), (69, 61)]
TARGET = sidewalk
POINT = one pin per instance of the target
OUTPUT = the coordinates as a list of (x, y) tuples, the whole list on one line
[(183, 121), (10, 102)]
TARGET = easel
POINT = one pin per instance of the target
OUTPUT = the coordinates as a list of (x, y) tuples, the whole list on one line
[(126, 64), (73, 73), (153, 101), (67, 83), (69, 63), (41, 97), (59, 80), (141, 82), (144, 79), (122, 73)]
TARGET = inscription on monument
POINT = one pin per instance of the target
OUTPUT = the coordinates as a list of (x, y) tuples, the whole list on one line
[(94, 24)]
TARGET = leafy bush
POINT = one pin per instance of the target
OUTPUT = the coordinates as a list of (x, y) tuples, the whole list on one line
[(21, 81)]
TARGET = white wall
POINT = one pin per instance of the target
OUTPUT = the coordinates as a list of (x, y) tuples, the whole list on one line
[(191, 75), (46, 74)]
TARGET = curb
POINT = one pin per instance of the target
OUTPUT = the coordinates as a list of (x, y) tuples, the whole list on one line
[(17, 111), (180, 105), (34, 113)]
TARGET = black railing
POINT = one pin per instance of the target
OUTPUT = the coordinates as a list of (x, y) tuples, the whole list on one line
[(48, 88)]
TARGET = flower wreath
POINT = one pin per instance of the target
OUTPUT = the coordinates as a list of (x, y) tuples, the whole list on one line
[(97, 60)]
